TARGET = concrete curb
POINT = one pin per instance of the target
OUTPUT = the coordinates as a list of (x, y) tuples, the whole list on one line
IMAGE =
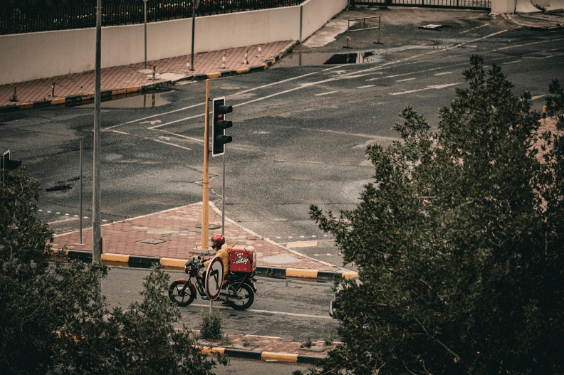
[(134, 261), (263, 356), (75, 100)]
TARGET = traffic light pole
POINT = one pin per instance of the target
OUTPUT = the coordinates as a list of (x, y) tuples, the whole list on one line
[(223, 201)]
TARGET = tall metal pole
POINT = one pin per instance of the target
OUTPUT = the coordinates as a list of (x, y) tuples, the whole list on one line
[(145, 17), (205, 204), (96, 196), (194, 5), (223, 198), (80, 205)]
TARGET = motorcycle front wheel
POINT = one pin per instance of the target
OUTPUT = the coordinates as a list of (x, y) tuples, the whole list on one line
[(243, 299), (182, 298)]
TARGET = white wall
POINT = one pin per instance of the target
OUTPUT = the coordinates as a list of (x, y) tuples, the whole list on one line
[(25, 57)]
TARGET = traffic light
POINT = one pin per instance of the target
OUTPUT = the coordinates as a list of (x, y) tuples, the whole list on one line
[(219, 124), (7, 164)]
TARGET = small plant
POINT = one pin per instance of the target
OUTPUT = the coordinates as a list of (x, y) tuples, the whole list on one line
[(307, 344), (246, 342), (211, 325), (329, 337), (297, 372), (225, 340)]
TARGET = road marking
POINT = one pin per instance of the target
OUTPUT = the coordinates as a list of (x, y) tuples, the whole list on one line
[(172, 144), (203, 103), (269, 312), (474, 28), (151, 122), (434, 87), (406, 79), (511, 62), (443, 73), (62, 221), (301, 244), (537, 97), (351, 75), (326, 93), (367, 86), (117, 131)]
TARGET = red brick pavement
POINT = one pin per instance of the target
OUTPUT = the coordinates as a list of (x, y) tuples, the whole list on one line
[(180, 231), (121, 77)]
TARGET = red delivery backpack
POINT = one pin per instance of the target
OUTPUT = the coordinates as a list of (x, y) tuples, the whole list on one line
[(242, 260)]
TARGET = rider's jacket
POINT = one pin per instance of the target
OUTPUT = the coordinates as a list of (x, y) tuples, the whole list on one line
[(223, 253)]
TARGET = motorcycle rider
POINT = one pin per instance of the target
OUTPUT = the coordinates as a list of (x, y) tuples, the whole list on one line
[(222, 250)]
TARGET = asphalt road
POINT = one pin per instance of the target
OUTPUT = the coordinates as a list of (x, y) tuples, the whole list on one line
[(283, 308), (299, 132)]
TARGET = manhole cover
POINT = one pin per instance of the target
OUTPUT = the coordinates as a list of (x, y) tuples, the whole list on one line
[(211, 226), (152, 241)]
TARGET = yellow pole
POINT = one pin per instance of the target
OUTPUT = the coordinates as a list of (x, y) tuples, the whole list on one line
[(544, 115), (205, 203)]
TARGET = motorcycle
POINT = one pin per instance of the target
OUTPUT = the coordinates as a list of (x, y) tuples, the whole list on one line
[(238, 289)]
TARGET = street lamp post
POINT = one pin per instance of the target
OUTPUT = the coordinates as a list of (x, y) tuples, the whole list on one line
[(194, 6), (96, 196)]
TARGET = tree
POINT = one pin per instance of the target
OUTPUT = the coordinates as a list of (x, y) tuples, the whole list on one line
[(52, 319), (458, 241)]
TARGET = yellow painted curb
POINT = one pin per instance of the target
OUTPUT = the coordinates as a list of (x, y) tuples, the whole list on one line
[(119, 92), (214, 75), (243, 70), (348, 275), (26, 106), (133, 89), (273, 60), (280, 357), (168, 262), (58, 101), (292, 272), (208, 351), (115, 258)]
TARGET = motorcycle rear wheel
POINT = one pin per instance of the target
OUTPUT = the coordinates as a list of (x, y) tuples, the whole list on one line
[(243, 299), (181, 298)]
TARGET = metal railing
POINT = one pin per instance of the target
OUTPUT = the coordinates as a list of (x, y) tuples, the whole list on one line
[(453, 4), (26, 16)]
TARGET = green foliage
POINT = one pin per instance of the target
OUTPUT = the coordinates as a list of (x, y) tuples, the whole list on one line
[(307, 343), (211, 325), (54, 320), (458, 242)]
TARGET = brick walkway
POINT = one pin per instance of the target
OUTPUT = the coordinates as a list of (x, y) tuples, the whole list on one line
[(123, 77), (176, 234)]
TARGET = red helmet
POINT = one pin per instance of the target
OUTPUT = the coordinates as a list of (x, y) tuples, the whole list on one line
[(217, 241)]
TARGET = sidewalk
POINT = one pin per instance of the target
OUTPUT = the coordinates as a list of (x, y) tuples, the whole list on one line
[(75, 89), (173, 236)]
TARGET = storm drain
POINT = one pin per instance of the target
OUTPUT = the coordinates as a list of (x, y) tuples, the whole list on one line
[(152, 241)]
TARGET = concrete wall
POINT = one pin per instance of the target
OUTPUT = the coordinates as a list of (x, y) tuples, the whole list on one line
[(31, 56)]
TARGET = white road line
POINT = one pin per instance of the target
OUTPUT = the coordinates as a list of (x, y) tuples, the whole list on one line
[(474, 28), (62, 221), (271, 312), (527, 44), (355, 74), (537, 97), (365, 87), (443, 73), (434, 87), (181, 136), (326, 93), (172, 144), (117, 131), (511, 62), (238, 93), (406, 79)]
